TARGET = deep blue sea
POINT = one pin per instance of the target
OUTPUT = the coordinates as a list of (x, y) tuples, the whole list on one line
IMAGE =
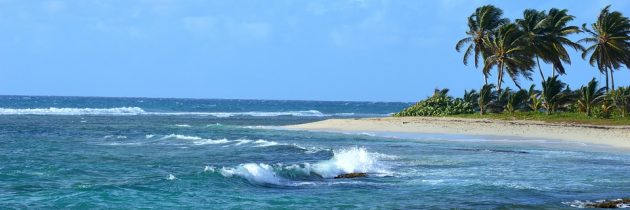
[(122, 153)]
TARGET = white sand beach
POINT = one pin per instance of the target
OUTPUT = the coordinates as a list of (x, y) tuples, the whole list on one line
[(615, 136)]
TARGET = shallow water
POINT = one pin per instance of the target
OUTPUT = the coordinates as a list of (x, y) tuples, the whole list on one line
[(176, 153)]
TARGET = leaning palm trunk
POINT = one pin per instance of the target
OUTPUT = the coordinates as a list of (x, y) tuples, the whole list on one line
[(542, 76), (612, 78)]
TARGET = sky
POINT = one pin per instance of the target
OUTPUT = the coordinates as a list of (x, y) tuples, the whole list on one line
[(348, 50)]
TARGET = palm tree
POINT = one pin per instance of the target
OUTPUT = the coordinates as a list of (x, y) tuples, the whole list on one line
[(621, 100), (535, 102), (610, 39), (546, 36), (481, 24), (552, 93), (516, 100), (556, 32), (590, 95), (486, 95), (508, 53), (472, 97), (533, 27)]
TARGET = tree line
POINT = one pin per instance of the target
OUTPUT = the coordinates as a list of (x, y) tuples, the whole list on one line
[(517, 48)]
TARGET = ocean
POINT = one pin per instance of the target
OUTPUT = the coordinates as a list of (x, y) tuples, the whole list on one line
[(122, 153)]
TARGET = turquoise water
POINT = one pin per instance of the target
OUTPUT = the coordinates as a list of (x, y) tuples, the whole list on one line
[(187, 153)]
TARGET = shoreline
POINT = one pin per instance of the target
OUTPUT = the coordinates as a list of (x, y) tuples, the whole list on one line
[(614, 136)]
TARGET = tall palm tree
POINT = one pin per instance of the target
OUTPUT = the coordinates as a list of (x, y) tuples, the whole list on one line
[(508, 53), (546, 36), (557, 29), (590, 95), (481, 24), (533, 27), (610, 39)]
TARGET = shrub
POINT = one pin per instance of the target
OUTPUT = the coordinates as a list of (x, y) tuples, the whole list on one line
[(440, 104)]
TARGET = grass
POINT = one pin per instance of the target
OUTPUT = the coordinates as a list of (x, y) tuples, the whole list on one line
[(564, 117)]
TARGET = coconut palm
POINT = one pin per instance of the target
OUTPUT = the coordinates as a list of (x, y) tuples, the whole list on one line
[(557, 29), (535, 102), (472, 97), (552, 93), (533, 27), (610, 39), (516, 100), (590, 96), (621, 100), (486, 95), (508, 53), (481, 24)]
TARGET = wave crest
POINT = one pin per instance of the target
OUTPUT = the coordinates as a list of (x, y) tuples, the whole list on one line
[(352, 160), (74, 111), (140, 111)]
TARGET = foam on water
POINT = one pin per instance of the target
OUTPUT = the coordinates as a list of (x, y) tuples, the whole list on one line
[(242, 141), (256, 173), (265, 143), (181, 137), (114, 137), (73, 111), (210, 141), (352, 160), (140, 111)]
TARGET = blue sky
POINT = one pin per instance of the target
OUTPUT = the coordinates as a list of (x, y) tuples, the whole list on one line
[(367, 50)]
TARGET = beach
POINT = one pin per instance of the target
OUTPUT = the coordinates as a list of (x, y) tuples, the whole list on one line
[(614, 136)]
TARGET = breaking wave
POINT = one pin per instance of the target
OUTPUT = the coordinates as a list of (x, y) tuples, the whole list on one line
[(196, 140), (140, 111), (352, 160), (73, 111)]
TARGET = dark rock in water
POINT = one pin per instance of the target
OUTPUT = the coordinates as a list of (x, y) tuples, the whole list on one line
[(350, 175), (609, 203)]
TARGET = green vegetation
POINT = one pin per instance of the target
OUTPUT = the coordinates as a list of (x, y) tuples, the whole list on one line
[(440, 104), (516, 48)]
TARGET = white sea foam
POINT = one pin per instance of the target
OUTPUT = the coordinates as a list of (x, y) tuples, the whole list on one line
[(171, 177), (196, 140), (149, 136), (181, 137), (265, 143), (255, 173), (210, 141), (242, 141), (182, 125), (140, 111), (74, 111), (115, 137), (352, 160), (209, 169)]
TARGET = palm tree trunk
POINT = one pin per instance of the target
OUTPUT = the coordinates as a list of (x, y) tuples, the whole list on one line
[(607, 87), (500, 77), (612, 79), (553, 70), (485, 79), (539, 69)]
